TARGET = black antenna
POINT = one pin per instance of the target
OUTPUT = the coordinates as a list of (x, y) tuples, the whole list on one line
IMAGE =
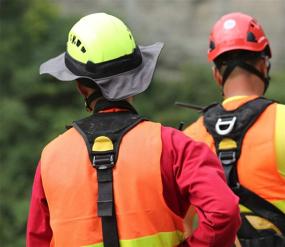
[(188, 105), (181, 125)]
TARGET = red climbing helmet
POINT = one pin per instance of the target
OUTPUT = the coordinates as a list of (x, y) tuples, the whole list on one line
[(237, 31)]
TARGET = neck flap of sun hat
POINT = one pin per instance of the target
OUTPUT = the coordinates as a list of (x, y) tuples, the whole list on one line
[(101, 48)]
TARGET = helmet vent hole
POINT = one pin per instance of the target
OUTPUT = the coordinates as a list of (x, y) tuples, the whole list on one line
[(83, 49), (73, 39), (78, 43), (253, 24), (251, 37), (212, 45)]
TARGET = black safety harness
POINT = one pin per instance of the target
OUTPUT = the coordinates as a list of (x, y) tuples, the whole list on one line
[(228, 129), (103, 132)]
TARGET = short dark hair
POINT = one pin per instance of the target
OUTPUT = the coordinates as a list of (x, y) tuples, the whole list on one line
[(250, 57)]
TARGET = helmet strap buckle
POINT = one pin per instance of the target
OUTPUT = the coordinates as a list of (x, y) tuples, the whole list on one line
[(89, 99)]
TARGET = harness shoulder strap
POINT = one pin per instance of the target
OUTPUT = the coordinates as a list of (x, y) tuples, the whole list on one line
[(103, 133), (261, 207), (228, 129)]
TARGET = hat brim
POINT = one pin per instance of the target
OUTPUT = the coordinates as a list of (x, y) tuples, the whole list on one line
[(116, 87)]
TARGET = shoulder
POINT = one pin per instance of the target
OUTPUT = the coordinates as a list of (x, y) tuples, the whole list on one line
[(62, 140), (280, 116), (192, 128), (280, 138), (175, 141), (169, 134), (149, 124), (276, 109), (198, 131), (181, 152), (280, 108)]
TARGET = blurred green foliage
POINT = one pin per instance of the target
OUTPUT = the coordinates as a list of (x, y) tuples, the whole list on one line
[(32, 111), (35, 109), (194, 86)]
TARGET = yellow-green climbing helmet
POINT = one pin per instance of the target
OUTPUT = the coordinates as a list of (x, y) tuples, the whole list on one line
[(110, 39), (100, 47)]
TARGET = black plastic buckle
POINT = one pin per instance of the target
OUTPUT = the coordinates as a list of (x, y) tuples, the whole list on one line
[(227, 157), (236, 187), (103, 161)]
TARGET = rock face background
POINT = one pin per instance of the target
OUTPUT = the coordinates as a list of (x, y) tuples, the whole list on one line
[(184, 25)]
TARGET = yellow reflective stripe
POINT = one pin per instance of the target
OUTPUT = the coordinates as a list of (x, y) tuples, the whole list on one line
[(162, 239), (244, 209), (279, 204), (280, 139), (233, 98), (261, 223)]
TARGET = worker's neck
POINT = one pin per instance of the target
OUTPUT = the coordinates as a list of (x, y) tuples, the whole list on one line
[(93, 103), (243, 86)]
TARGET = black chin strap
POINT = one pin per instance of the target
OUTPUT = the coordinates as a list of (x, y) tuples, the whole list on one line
[(88, 100), (233, 64)]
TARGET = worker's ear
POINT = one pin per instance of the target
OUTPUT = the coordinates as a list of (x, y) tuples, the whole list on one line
[(83, 90), (264, 66), (217, 75)]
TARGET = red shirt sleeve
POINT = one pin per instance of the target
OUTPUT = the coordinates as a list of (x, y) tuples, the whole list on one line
[(192, 175), (39, 233)]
